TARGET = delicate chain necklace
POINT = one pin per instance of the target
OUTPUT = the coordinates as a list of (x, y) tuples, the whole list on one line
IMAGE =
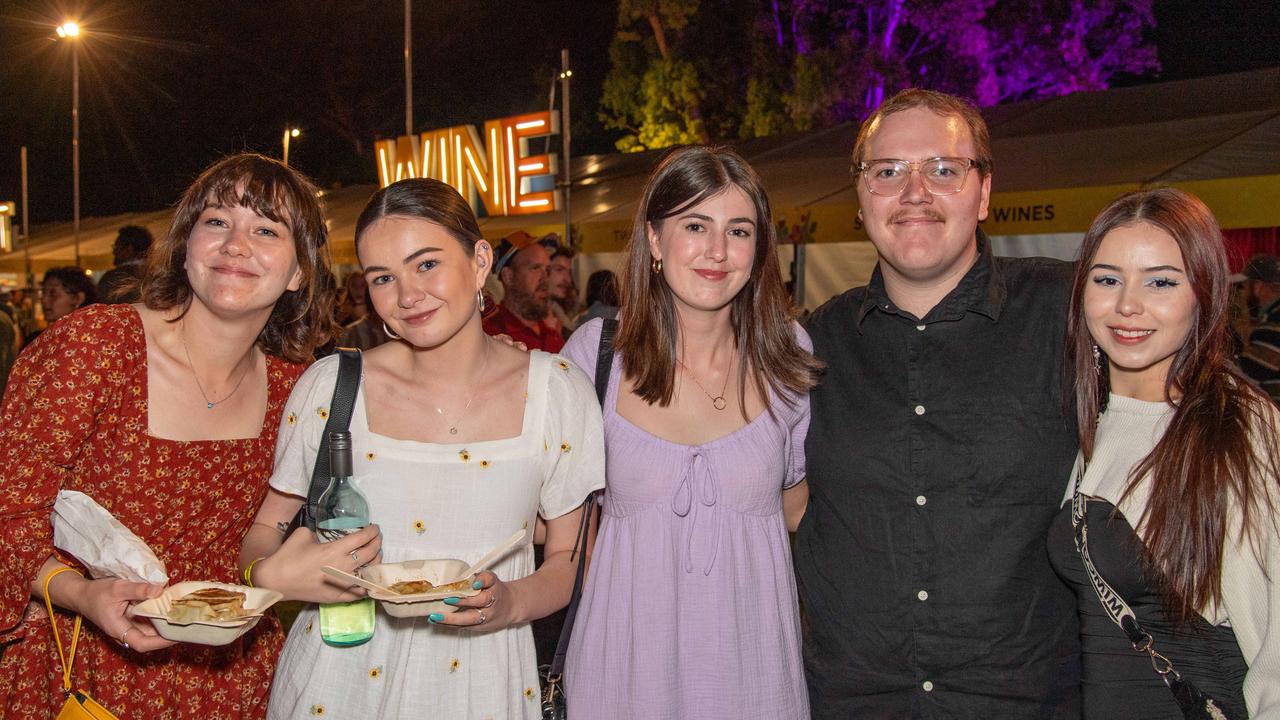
[(209, 404), (717, 401), (453, 426)]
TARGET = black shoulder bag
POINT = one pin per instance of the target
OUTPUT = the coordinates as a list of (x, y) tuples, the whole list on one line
[(340, 409), (1194, 703), (553, 702)]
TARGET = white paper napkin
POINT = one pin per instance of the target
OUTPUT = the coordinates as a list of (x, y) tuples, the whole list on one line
[(86, 530)]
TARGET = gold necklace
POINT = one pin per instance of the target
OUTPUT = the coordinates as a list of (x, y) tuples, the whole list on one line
[(209, 404), (717, 401)]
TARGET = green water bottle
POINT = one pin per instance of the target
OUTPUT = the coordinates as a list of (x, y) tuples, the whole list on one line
[(342, 510)]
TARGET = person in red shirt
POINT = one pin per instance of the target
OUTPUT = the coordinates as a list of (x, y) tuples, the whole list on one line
[(523, 266)]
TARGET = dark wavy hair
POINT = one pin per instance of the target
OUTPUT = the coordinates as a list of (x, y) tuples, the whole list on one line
[(74, 280), (760, 313), (302, 319), (1220, 447)]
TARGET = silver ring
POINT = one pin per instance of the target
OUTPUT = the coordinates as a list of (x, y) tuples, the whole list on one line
[(355, 558), (124, 635), (492, 599), (483, 619)]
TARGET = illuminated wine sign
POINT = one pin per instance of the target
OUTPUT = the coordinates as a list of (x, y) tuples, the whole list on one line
[(496, 172), (6, 226)]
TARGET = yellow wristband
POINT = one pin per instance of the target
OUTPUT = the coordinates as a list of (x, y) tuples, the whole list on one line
[(248, 571)]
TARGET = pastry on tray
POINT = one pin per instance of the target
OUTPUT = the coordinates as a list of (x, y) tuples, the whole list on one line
[(208, 604)]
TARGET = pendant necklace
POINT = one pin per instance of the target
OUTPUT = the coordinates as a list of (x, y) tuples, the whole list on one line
[(453, 426), (209, 404), (717, 401)]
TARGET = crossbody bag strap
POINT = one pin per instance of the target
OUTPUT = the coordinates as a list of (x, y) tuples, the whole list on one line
[(1112, 603), (340, 409), (604, 366), (67, 659)]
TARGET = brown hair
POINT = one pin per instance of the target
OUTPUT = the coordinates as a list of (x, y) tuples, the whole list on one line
[(425, 199), (760, 313), (938, 103), (1219, 448), (302, 319)]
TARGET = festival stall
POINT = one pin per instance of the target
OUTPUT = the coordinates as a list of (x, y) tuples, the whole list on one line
[(1057, 162)]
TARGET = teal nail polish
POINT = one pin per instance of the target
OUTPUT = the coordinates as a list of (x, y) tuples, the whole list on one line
[(435, 618), (452, 601), (477, 585)]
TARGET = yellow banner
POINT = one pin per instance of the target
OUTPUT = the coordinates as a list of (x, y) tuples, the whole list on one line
[(1247, 202)]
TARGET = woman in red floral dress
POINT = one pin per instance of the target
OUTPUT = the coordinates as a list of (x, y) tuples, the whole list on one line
[(166, 414)]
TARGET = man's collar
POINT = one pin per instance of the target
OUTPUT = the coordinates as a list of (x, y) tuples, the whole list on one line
[(981, 290)]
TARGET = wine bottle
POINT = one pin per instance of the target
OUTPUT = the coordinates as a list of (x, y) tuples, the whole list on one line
[(342, 509)]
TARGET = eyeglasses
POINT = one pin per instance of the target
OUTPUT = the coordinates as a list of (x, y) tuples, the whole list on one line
[(941, 175)]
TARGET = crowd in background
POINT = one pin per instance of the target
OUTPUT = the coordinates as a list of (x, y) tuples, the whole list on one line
[(1018, 487)]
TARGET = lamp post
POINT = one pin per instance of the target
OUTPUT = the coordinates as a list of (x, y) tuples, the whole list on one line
[(289, 133), (70, 30)]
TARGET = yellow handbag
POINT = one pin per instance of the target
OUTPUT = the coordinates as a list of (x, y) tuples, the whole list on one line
[(79, 706)]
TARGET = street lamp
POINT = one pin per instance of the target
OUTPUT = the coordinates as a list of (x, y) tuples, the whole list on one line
[(289, 133), (70, 30)]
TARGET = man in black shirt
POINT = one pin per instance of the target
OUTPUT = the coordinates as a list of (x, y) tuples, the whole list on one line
[(939, 449)]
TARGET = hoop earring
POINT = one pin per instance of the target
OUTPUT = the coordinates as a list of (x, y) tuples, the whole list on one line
[(387, 330), (480, 301), (1097, 360), (656, 265)]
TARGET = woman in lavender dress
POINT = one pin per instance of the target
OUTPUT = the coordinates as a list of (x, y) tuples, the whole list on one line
[(689, 610)]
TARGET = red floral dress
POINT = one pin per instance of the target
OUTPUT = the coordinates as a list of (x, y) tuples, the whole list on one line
[(75, 418)]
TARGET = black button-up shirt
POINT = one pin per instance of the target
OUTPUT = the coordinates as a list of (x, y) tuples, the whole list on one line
[(938, 453)]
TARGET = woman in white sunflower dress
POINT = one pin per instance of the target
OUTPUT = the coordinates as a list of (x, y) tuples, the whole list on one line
[(458, 442)]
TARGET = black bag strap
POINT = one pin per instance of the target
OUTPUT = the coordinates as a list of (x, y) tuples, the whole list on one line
[(1191, 700), (604, 366), (340, 409)]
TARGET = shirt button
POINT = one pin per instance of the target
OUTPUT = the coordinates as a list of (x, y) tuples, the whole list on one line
[(923, 595), (920, 328), (919, 409), (927, 685), (921, 500)]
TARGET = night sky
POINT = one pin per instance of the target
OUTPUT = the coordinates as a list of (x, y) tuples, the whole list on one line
[(168, 86)]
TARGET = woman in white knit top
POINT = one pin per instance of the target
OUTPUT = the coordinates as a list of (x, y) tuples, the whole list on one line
[(1178, 463)]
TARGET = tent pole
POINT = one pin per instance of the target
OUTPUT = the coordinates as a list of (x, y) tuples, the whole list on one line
[(565, 74), (26, 225)]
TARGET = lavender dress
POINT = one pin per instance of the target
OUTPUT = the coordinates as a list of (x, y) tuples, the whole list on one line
[(690, 606)]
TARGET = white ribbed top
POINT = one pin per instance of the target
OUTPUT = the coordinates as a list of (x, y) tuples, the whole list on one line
[(1127, 432)]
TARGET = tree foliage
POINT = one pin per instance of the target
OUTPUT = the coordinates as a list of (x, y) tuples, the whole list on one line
[(682, 68)]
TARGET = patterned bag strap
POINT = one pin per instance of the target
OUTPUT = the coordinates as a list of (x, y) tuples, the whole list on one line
[(1192, 702), (604, 366), (340, 409)]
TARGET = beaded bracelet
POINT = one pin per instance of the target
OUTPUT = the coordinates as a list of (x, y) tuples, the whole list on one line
[(248, 571)]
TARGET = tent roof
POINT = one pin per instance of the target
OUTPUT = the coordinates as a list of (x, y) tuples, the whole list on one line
[(1193, 130)]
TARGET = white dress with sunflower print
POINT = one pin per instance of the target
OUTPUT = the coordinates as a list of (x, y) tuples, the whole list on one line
[(439, 501)]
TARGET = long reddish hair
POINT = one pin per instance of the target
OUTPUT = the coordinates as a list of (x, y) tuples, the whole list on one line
[(1220, 448)]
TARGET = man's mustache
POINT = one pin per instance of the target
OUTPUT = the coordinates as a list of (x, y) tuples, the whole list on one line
[(917, 214)]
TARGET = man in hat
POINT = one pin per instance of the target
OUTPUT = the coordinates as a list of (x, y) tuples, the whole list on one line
[(1261, 357), (523, 267)]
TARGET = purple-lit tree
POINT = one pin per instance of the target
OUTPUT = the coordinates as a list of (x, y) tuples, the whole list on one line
[(685, 69), (847, 57)]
